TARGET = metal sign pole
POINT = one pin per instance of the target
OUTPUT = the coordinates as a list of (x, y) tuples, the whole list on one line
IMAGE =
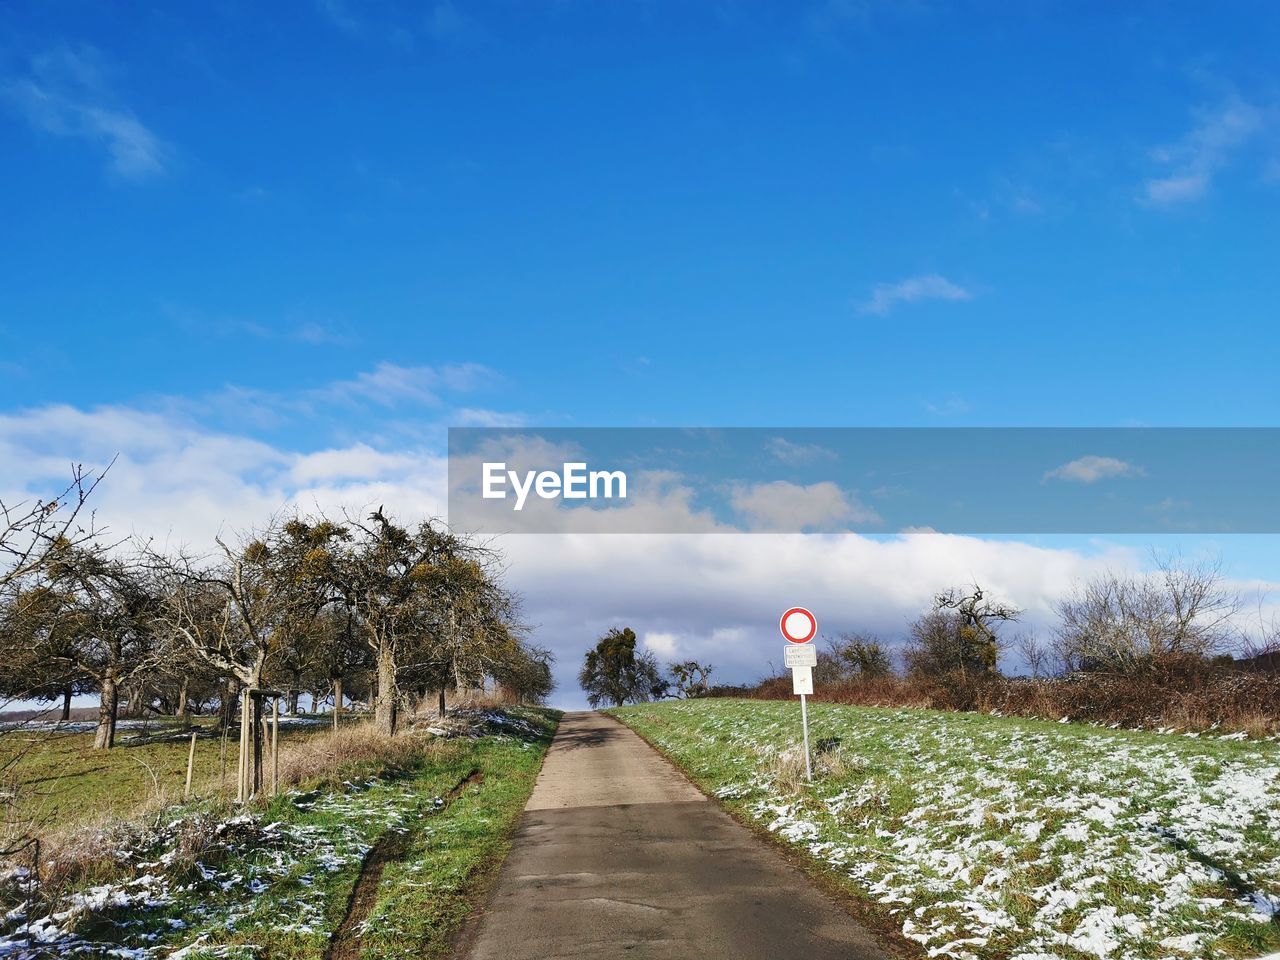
[(799, 626), (804, 721)]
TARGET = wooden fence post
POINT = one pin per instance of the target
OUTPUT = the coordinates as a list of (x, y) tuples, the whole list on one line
[(222, 756), (275, 746), (191, 762), (242, 783)]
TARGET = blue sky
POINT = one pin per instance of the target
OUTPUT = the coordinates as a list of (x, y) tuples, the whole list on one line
[(341, 226), (651, 206)]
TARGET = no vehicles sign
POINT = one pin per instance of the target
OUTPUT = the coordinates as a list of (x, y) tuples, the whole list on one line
[(799, 626)]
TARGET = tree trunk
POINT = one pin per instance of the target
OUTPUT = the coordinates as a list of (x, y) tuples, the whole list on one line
[(104, 738), (256, 774), (136, 698), (66, 704), (180, 708), (337, 700), (227, 706), (441, 700), (385, 714), (291, 702)]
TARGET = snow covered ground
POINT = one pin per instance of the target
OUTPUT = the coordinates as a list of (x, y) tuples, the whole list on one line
[(200, 875), (1000, 837), (157, 913)]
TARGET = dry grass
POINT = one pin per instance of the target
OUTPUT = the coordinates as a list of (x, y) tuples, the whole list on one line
[(1181, 696), (786, 770), (97, 850), (330, 757)]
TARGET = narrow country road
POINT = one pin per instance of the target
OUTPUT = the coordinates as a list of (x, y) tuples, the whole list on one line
[(619, 855)]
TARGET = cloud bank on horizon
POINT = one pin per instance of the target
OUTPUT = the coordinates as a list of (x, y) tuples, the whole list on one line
[(713, 596)]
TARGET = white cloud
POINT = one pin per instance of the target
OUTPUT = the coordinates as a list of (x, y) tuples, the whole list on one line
[(1166, 191), (317, 333), (477, 417), (661, 643), (783, 449), (714, 597), (781, 505), (312, 332), (930, 286), (174, 480), (66, 95), (390, 384), (358, 461), (1091, 469), (953, 405), (1193, 161), (719, 595)]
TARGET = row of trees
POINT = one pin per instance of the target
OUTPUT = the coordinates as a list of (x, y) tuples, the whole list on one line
[(614, 672), (1182, 613), (361, 606)]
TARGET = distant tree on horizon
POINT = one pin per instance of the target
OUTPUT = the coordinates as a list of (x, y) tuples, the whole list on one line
[(959, 634), (614, 674), (691, 678)]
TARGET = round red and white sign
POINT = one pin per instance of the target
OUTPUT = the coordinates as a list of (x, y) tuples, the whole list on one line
[(798, 625)]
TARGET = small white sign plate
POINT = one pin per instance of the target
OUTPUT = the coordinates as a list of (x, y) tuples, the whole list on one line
[(802, 680), (800, 655)]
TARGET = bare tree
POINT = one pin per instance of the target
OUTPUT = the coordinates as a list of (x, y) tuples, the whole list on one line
[(339, 654), (1122, 622), (527, 673), (961, 634), (111, 611), (691, 678), (1035, 654), (383, 578), (468, 623), (238, 612), (306, 556), (30, 529), (860, 656)]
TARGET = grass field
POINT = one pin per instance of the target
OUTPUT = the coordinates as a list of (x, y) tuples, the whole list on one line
[(389, 857), (60, 780), (994, 837)]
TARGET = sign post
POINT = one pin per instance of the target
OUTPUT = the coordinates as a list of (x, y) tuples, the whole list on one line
[(799, 627)]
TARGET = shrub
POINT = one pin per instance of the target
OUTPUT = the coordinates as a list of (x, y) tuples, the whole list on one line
[(1188, 694)]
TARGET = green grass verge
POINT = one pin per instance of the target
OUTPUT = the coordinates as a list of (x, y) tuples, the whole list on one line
[(424, 897), (993, 837), (277, 882)]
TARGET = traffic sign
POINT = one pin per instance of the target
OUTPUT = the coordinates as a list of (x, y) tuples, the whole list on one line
[(801, 685), (800, 655), (798, 625)]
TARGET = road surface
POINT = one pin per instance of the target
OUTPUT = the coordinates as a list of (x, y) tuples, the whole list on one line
[(618, 855)]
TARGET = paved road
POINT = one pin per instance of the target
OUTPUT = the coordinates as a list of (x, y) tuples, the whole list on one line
[(619, 855)]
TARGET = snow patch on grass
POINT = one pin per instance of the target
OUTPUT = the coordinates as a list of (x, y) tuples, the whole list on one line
[(1002, 837)]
